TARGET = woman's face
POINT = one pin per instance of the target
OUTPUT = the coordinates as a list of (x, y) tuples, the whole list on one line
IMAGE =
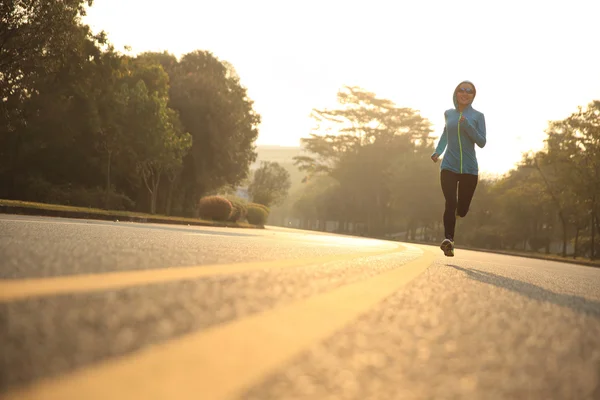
[(465, 94)]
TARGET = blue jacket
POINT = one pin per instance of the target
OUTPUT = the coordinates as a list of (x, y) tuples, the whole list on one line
[(461, 138)]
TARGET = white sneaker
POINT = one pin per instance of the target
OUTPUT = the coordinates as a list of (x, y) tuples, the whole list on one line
[(447, 247)]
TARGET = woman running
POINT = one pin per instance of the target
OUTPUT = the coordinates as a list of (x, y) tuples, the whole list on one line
[(464, 128)]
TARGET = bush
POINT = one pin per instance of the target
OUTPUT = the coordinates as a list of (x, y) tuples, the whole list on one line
[(98, 198), (261, 206), (257, 215), (538, 242), (240, 209), (584, 246), (42, 191), (216, 208)]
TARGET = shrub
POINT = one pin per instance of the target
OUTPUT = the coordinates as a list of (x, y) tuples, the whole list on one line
[(584, 246), (261, 206), (538, 242), (257, 215), (72, 195), (99, 198), (240, 209), (216, 208)]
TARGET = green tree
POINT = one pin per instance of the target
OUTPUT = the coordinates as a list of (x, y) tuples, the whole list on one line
[(155, 137), (215, 109), (46, 129), (366, 139), (524, 213), (165, 59), (562, 197), (109, 115), (270, 184), (312, 203), (33, 34), (573, 146)]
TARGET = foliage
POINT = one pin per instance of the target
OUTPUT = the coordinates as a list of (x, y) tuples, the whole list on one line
[(261, 206), (216, 208), (215, 110), (33, 34), (257, 215), (75, 113), (270, 184), (240, 209), (76, 196), (368, 165), (367, 142)]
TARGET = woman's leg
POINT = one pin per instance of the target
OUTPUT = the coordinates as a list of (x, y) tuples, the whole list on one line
[(449, 180), (466, 188)]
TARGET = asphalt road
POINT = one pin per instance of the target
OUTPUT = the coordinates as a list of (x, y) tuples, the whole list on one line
[(99, 310)]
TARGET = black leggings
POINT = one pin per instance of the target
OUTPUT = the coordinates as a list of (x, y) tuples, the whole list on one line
[(466, 188)]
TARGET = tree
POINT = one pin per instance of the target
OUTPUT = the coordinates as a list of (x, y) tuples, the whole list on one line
[(315, 200), (47, 124), (215, 110), (573, 145), (561, 198), (155, 137), (270, 184), (524, 212), (109, 114), (361, 143), (78, 119), (166, 60), (31, 32)]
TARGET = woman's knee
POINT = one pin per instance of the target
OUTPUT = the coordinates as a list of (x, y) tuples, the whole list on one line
[(451, 206), (462, 212)]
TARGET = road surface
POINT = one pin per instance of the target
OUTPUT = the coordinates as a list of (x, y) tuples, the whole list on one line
[(117, 310)]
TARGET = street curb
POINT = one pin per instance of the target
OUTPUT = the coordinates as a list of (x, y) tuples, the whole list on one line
[(533, 256), (42, 212), (525, 255)]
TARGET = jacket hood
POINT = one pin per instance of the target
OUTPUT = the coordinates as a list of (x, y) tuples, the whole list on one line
[(456, 88)]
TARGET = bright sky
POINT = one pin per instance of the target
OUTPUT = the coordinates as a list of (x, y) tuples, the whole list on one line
[(531, 61)]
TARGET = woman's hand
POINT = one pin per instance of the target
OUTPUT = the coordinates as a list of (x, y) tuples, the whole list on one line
[(435, 157)]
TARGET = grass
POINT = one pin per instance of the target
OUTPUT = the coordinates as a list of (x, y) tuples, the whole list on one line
[(90, 212)]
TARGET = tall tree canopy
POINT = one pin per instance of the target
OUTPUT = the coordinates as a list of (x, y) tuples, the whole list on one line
[(82, 124)]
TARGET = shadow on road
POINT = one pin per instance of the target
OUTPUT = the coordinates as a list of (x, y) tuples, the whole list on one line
[(534, 292)]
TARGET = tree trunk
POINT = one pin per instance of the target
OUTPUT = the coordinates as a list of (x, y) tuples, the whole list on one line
[(107, 195), (593, 244), (153, 202), (170, 197), (563, 220), (597, 222), (11, 190), (576, 243), (152, 180), (154, 193), (593, 251), (564, 249)]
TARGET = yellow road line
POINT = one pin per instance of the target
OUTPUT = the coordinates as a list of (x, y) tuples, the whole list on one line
[(11, 290), (223, 362)]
